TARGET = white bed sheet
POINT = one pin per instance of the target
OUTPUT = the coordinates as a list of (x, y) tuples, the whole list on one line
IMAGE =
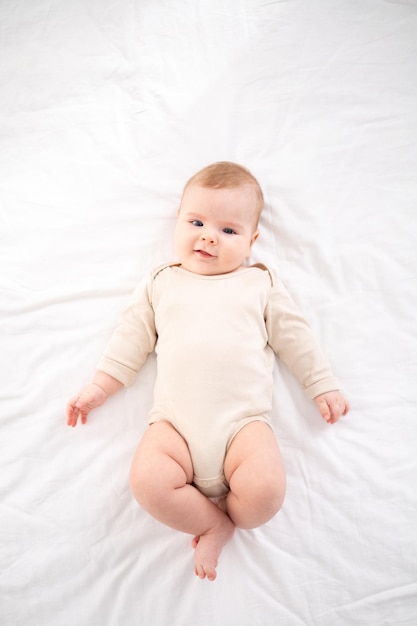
[(106, 108)]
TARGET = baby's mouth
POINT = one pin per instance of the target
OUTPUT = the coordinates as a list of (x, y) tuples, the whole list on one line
[(204, 254)]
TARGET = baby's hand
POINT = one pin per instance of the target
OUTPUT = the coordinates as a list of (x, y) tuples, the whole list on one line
[(80, 405), (331, 405)]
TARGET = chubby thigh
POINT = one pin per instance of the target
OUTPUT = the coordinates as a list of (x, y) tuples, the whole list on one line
[(253, 468), (255, 472), (162, 461)]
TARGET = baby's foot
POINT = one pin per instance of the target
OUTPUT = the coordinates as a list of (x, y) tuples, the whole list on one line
[(208, 548)]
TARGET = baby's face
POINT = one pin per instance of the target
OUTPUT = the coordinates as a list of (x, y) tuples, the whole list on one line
[(215, 229)]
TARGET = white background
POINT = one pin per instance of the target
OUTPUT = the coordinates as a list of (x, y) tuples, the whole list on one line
[(107, 107)]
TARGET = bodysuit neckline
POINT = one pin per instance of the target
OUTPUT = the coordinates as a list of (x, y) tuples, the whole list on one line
[(243, 270)]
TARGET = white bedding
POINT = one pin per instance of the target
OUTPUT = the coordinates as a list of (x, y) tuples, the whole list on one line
[(106, 108)]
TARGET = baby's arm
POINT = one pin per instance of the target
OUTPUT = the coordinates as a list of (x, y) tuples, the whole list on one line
[(132, 340), (291, 338), (91, 397), (332, 405)]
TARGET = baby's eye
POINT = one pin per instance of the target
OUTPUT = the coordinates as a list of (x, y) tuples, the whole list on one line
[(197, 223), (229, 231)]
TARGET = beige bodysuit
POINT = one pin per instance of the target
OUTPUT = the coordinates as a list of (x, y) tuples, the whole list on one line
[(215, 339)]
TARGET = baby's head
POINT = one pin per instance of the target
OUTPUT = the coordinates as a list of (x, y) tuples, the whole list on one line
[(217, 222), (228, 175)]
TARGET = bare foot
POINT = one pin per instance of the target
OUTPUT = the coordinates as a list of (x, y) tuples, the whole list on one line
[(208, 548)]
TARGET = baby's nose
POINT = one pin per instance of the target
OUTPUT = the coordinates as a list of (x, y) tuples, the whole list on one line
[(208, 236)]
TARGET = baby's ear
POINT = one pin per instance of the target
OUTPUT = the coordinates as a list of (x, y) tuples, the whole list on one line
[(254, 237)]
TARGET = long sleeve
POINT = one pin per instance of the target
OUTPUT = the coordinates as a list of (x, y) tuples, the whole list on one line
[(133, 338), (291, 338)]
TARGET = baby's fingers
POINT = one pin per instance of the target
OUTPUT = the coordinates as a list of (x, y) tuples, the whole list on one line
[(330, 411), (332, 405), (72, 415), (75, 410), (324, 409)]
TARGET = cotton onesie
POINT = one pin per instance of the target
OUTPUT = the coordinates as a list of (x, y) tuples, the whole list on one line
[(215, 339)]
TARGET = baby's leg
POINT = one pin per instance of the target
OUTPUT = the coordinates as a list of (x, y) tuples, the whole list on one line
[(160, 480), (255, 472)]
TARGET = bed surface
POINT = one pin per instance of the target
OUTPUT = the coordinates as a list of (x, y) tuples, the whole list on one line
[(106, 109)]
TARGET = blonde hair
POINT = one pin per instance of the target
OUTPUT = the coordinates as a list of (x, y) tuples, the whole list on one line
[(227, 175)]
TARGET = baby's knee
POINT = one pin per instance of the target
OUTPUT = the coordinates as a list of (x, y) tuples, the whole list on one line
[(275, 492), (142, 485), (268, 495), (258, 501)]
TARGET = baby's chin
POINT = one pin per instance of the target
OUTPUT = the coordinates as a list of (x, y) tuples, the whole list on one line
[(202, 271)]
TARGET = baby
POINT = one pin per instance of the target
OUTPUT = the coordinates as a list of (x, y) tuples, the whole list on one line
[(209, 461)]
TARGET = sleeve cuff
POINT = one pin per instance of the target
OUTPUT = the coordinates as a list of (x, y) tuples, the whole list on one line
[(322, 386), (120, 372)]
